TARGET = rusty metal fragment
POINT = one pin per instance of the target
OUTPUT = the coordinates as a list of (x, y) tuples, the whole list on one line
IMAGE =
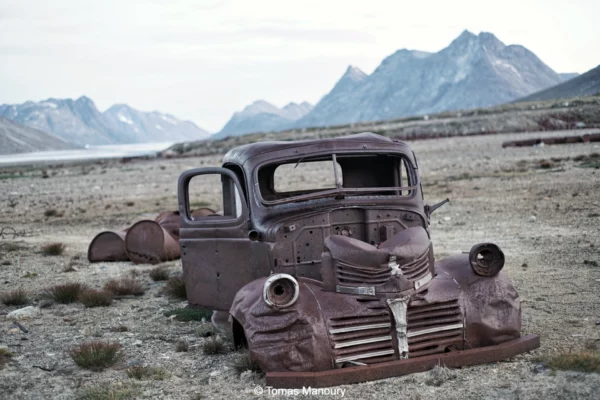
[(587, 138)]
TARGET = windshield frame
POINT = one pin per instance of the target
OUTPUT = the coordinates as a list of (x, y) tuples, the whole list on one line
[(340, 192)]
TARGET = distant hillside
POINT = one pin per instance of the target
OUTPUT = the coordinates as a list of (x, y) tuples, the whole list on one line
[(586, 84), (262, 116), (582, 112), (80, 122), (16, 138), (474, 71), (568, 75)]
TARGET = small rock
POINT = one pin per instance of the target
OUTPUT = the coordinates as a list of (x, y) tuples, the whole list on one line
[(68, 319), (23, 313), (539, 368), (14, 331), (215, 373), (87, 331), (447, 219), (138, 343), (524, 265), (532, 218)]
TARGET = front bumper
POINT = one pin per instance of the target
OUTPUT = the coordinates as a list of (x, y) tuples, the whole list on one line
[(343, 376)]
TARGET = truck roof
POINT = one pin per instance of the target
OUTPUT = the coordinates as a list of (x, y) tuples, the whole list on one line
[(359, 141)]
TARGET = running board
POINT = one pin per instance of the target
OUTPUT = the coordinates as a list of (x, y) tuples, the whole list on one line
[(343, 376)]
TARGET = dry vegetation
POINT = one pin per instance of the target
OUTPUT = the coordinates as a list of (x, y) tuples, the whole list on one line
[(17, 297), (160, 273), (189, 314), (124, 287), (64, 293), (141, 372), (96, 356), (53, 249), (214, 345), (5, 357), (175, 287), (95, 298), (584, 361)]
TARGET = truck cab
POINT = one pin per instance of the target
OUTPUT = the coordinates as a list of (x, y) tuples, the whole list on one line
[(282, 199)]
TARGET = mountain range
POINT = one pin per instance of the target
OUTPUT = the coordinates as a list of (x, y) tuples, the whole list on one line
[(262, 116), (80, 122), (474, 71)]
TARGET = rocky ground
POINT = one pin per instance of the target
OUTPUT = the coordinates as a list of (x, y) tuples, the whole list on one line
[(540, 204)]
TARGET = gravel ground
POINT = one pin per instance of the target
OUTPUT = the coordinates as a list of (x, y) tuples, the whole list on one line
[(538, 204)]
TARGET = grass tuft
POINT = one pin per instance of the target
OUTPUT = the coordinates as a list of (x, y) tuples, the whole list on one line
[(190, 314), (65, 293), (182, 346), (205, 330), (95, 298), (96, 356), (10, 247), (140, 373), (53, 249), (245, 363), (440, 374), (5, 357), (51, 212), (159, 273), (106, 392), (124, 287), (214, 345), (175, 287), (583, 361), (17, 297)]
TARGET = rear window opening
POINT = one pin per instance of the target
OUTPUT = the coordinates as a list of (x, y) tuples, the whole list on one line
[(338, 176)]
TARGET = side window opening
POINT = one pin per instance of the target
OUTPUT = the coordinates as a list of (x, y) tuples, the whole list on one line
[(216, 192)]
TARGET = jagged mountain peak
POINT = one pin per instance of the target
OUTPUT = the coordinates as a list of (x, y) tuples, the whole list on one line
[(354, 73), (258, 107), (468, 42)]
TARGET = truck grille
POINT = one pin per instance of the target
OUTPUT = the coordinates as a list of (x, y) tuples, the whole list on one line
[(365, 339), (352, 274), (432, 328), (418, 268)]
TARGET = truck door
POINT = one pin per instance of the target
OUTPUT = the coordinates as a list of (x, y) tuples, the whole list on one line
[(216, 251)]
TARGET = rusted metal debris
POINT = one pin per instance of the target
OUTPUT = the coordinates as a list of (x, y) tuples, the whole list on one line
[(338, 283), (587, 138), (145, 242)]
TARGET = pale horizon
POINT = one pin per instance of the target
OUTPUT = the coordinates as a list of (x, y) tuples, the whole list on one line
[(204, 60)]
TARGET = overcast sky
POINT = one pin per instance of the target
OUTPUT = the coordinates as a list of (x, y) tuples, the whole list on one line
[(204, 59)]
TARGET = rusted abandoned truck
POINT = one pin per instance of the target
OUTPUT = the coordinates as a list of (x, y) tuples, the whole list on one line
[(324, 262)]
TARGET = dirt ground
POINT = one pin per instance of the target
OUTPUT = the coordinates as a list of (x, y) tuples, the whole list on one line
[(541, 205)]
